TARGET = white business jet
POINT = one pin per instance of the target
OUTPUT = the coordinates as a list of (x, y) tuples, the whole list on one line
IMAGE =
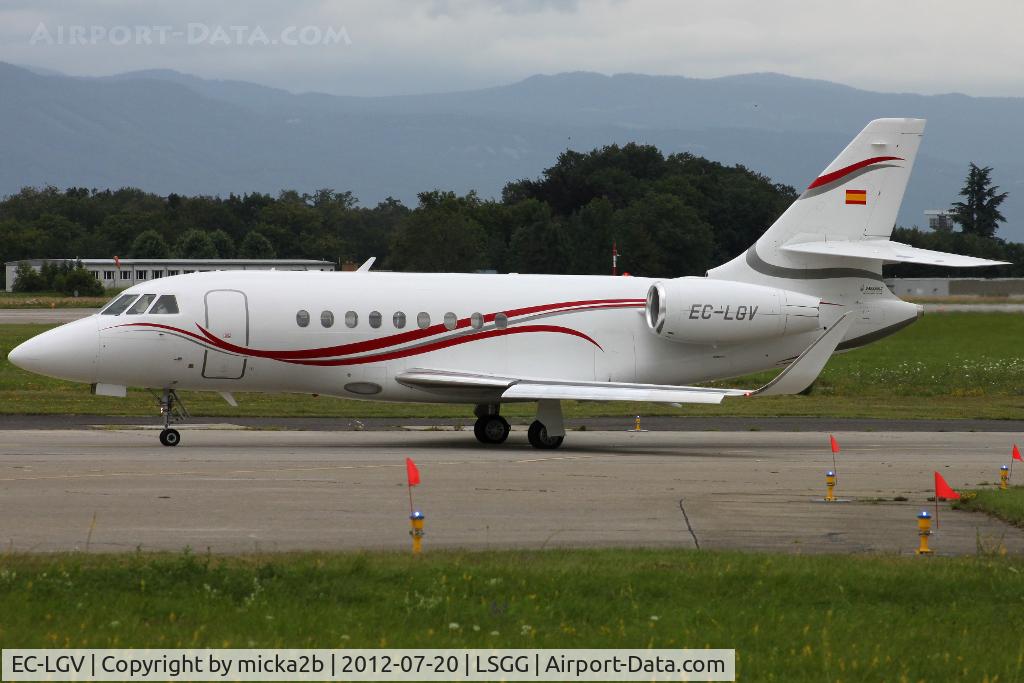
[(811, 285)]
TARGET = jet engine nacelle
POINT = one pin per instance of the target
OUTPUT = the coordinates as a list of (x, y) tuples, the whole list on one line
[(702, 311)]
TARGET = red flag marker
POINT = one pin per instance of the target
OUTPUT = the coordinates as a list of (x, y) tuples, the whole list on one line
[(1016, 452), (945, 491), (835, 449), (412, 474)]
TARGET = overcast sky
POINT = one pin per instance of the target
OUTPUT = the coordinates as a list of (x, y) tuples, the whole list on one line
[(395, 46)]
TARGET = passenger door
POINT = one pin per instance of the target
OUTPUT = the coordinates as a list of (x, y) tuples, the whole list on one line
[(227, 317)]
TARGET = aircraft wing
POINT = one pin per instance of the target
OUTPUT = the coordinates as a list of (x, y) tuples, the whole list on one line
[(796, 377), (890, 252)]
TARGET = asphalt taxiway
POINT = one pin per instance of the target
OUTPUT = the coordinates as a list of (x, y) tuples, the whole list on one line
[(242, 490)]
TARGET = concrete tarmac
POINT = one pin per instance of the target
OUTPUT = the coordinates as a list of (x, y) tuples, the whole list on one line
[(236, 491), (43, 316)]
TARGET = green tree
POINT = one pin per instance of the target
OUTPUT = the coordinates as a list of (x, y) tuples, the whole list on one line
[(150, 244), (223, 243), (195, 244), (979, 213), (255, 245), (440, 235), (28, 279), (661, 236), (78, 281), (540, 244)]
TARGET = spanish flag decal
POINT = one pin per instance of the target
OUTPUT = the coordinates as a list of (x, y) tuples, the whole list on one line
[(857, 197)]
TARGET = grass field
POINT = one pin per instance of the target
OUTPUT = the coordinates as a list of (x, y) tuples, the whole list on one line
[(789, 617), (1007, 505), (50, 300), (956, 365)]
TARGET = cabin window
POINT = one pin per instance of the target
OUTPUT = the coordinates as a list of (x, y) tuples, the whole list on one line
[(423, 320), (501, 321), (108, 275), (375, 319), (171, 273), (118, 305), (476, 320), (140, 306), (140, 275), (165, 305), (450, 320), (327, 319), (302, 318), (126, 275), (398, 319), (351, 319), (158, 273)]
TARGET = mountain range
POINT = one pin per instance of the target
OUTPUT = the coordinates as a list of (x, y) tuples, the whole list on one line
[(166, 131)]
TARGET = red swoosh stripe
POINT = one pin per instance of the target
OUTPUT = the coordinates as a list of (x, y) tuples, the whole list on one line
[(843, 172), (443, 344), (412, 335), (316, 356), (376, 358)]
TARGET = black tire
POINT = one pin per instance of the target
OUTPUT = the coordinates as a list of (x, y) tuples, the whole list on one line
[(491, 429), (170, 437), (539, 438)]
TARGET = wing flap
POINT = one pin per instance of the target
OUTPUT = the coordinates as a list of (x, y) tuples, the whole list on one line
[(608, 391), (892, 252)]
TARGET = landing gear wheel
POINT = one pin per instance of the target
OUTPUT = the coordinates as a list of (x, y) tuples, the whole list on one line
[(170, 437), (491, 429), (539, 438)]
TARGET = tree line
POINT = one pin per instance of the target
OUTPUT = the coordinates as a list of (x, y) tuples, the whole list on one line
[(669, 216)]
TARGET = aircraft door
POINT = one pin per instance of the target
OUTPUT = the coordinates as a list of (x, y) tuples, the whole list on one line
[(227, 317)]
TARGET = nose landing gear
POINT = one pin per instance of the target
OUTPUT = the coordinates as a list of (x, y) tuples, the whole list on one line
[(173, 410)]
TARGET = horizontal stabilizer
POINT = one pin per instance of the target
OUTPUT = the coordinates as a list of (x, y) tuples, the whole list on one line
[(891, 252)]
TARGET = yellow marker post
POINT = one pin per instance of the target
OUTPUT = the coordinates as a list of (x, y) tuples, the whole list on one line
[(636, 425), (416, 531), (924, 530), (1004, 477), (830, 482)]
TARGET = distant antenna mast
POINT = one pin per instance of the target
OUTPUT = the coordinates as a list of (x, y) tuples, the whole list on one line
[(615, 259)]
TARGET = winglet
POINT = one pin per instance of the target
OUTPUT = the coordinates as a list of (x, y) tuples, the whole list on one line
[(802, 372), (367, 264)]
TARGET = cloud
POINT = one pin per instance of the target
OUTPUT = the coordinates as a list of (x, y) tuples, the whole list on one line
[(403, 46)]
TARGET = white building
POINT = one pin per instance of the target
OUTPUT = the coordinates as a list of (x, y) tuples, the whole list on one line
[(129, 271), (939, 219)]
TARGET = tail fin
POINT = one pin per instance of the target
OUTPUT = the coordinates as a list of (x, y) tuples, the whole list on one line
[(835, 236), (855, 198)]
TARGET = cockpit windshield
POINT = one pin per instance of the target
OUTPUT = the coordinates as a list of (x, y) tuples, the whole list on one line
[(118, 305), (140, 306), (167, 304)]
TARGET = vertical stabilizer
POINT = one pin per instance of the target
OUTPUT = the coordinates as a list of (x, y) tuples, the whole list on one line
[(855, 198)]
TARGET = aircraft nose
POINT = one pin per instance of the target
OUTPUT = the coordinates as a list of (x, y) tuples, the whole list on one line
[(65, 352)]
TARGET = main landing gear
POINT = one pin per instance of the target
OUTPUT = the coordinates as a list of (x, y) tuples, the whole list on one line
[(490, 428), (173, 410), (546, 432)]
